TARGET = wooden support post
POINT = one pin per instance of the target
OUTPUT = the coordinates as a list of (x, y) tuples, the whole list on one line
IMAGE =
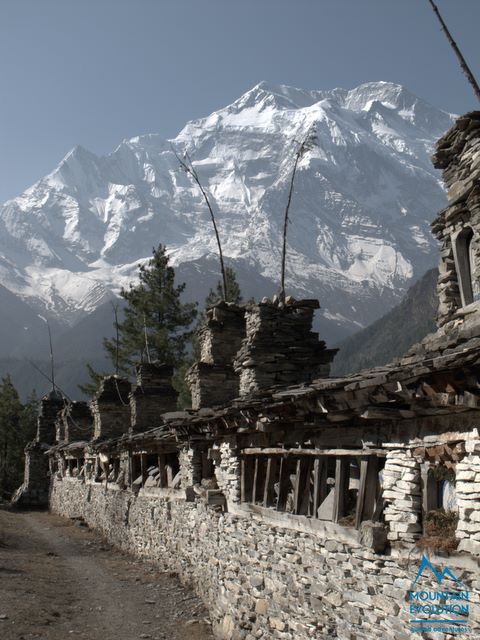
[(130, 469), (162, 475), (371, 489), (284, 484), (429, 489), (320, 489), (246, 478), (258, 480), (361, 492), (342, 469), (270, 476), (302, 486), (143, 468)]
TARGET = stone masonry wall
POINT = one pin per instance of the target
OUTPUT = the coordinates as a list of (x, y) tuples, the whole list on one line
[(402, 493), (258, 578), (468, 494)]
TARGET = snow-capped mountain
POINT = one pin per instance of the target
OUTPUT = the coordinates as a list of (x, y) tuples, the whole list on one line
[(359, 231)]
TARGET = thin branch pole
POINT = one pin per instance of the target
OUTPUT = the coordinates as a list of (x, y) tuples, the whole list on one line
[(147, 348), (52, 362), (117, 338), (463, 63), (285, 222), (30, 362), (189, 168)]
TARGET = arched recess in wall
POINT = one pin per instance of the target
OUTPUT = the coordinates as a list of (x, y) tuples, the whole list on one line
[(465, 265)]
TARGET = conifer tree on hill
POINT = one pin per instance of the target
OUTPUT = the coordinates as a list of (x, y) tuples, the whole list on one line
[(17, 428), (155, 325)]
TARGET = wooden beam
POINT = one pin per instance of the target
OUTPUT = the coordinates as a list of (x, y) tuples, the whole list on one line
[(320, 489), (278, 451), (342, 469)]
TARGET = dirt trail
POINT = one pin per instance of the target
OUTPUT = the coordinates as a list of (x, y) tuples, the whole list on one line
[(59, 580)]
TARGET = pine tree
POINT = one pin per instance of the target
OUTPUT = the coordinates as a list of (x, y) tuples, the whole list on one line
[(17, 427), (233, 290), (155, 324)]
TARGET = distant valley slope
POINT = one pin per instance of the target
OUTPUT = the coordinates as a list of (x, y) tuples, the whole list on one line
[(394, 333)]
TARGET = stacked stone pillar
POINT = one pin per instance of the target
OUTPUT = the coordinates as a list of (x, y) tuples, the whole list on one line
[(35, 488), (111, 408), (212, 380), (74, 423), (402, 494), (152, 395), (280, 348)]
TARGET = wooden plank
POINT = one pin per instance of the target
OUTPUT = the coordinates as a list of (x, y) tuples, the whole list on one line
[(342, 468), (284, 484), (143, 469), (270, 477), (278, 451)]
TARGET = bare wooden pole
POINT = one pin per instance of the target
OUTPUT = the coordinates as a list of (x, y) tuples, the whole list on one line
[(52, 361), (190, 169), (285, 222), (117, 337), (306, 144), (463, 63)]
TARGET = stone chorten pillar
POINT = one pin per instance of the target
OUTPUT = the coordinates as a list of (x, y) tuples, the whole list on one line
[(35, 488), (110, 408), (213, 380), (152, 395), (74, 423), (280, 348)]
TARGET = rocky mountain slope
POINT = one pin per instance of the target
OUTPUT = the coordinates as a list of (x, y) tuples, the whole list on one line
[(360, 215), (394, 333)]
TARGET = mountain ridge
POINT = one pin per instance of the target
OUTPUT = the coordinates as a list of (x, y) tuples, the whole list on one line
[(359, 219)]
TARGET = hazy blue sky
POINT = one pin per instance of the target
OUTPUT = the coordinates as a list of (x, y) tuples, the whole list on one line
[(93, 72)]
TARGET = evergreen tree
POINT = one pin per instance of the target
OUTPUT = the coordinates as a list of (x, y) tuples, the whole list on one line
[(17, 427), (155, 324), (233, 290)]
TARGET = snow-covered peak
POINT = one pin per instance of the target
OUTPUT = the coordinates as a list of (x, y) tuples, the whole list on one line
[(359, 220)]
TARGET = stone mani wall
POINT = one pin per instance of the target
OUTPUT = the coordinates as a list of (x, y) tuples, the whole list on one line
[(260, 578)]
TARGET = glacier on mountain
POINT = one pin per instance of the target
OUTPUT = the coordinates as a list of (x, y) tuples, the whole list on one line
[(360, 214)]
